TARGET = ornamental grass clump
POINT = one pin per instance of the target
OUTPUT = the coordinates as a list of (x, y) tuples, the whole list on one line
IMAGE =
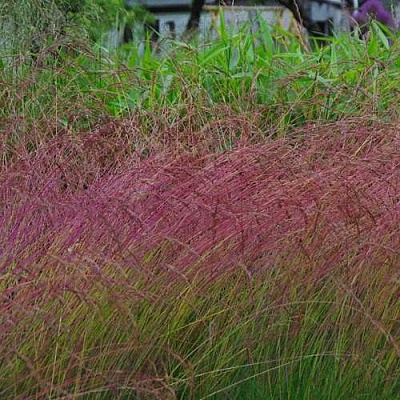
[(268, 270)]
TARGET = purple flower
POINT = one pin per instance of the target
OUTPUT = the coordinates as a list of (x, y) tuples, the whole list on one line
[(374, 9), (360, 18), (371, 7), (385, 17)]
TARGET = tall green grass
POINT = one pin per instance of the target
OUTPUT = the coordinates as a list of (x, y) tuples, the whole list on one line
[(272, 75)]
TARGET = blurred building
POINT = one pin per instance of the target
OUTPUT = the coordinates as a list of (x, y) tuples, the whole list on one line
[(171, 16)]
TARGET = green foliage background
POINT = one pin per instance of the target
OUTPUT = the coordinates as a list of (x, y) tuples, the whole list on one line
[(28, 25)]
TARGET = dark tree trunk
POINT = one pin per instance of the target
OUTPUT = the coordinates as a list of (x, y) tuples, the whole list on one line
[(302, 16), (298, 11), (194, 20)]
